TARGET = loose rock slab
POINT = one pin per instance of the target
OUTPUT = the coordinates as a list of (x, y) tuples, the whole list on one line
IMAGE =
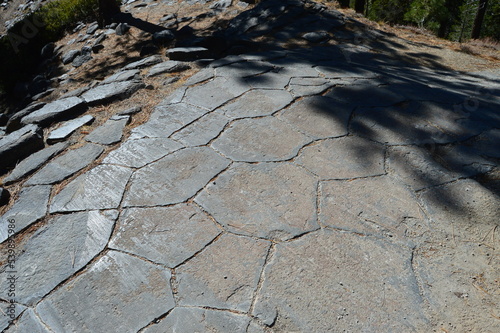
[(166, 235), (19, 144), (29, 208), (258, 102), (117, 293), (62, 246), (125, 75), (64, 166), (99, 188), (110, 132), (341, 281), (269, 200), (175, 178), (258, 140), (343, 158), (140, 152), (221, 277), (63, 132), (201, 320), (58, 110), (112, 91), (319, 117)]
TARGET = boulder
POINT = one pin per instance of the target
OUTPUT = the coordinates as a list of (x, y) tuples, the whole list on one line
[(188, 53), (19, 144), (70, 56), (4, 196), (163, 37)]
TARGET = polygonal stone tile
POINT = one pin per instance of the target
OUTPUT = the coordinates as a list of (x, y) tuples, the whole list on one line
[(415, 123), (460, 283), (10, 311), (258, 140), (243, 69), (166, 235), (341, 282), (318, 116), (203, 130), (110, 132), (56, 251), (140, 152), (344, 71), (376, 205), (464, 209), (166, 119), (266, 200), (258, 102), (300, 86), (372, 95), (270, 80), (28, 322), (216, 92), (175, 178), (118, 293), (343, 158), (99, 188), (66, 165), (29, 207), (224, 276), (200, 320)]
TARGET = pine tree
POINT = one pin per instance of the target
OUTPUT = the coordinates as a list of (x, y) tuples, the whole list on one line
[(478, 21)]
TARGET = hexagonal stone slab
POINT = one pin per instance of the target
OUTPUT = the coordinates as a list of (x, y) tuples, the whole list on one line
[(203, 130), (29, 208), (56, 251), (377, 205), (140, 152), (460, 283), (464, 209), (99, 188), (415, 123), (224, 276), (166, 235), (269, 200), (258, 102), (65, 165), (175, 178), (117, 293), (343, 158), (216, 92), (200, 320), (341, 281), (319, 117), (258, 140)]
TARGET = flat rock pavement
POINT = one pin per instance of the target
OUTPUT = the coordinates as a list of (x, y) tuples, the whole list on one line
[(281, 192)]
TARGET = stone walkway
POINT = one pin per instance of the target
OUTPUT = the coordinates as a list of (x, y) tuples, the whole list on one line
[(317, 190)]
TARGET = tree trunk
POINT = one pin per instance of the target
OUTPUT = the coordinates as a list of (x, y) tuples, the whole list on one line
[(107, 9), (478, 22), (344, 3), (359, 6)]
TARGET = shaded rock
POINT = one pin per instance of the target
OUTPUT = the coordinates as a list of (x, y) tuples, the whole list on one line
[(99, 188), (221, 4), (19, 144), (148, 49), (76, 92), (100, 299), (167, 67), (48, 50), (249, 199), (4, 196), (163, 37), (97, 47), (146, 62), (65, 165), (220, 277), (70, 56), (110, 132), (316, 37), (63, 132), (55, 111), (92, 28), (201, 320), (122, 28), (168, 181), (165, 235), (110, 92), (81, 59), (33, 162), (30, 207), (188, 53), (43, 94), (63, 246)]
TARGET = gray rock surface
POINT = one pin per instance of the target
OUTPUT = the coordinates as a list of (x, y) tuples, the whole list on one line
[(29, 322), (14, 122), (146, 62), (34, 162), (221, 277), (63, 132), (10, 312), (257, 103), (55, 111), (117, 293), (205, 95), (70, 56), (111, 92), (110, 132), (30, 207), (168, 235), (125, 75), (167, 67), (62, 246), (174, 178), (100, 188), (242, 200), (188, 53), (66, 165), (19, 144), (203, 130)]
